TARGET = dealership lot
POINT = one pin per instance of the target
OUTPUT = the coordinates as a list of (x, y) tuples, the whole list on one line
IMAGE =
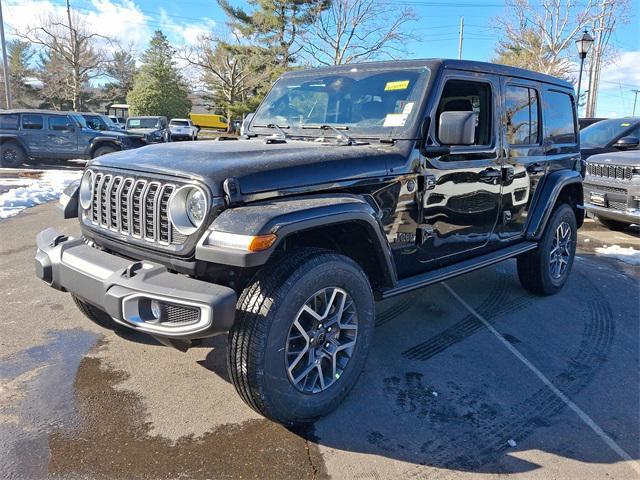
[(454, 385)]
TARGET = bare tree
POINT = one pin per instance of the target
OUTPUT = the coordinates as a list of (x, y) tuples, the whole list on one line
[(231, 73), (69, 39), (537, 35), (357, 30)]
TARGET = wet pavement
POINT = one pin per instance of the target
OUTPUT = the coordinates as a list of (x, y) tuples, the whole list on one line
[(442, 396)]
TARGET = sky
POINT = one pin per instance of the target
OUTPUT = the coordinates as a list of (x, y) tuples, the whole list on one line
[(132, 22)]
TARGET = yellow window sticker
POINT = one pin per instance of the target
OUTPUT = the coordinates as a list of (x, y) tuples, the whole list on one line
[(397, 85), (625, 124)]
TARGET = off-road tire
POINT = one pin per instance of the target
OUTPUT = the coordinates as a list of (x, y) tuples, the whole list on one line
[(613, 224), (534, 269), (12, 155), (98, 317), (265, 312), (103, 150)]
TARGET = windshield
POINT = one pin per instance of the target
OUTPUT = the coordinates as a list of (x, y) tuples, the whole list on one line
[(369, 103), (142, 122), (182, 123), (108, 122), (79, 119), (602, 133)]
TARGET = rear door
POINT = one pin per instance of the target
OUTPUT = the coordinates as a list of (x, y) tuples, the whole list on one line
[(525, 162), (461, 201), (34, 133)]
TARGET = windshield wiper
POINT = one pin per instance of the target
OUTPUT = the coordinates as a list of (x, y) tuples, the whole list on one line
[(340, 135), (280, 137)]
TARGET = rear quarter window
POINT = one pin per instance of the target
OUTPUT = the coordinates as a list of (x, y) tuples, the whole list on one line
[(32, 122), (559, 118), (9, 121)]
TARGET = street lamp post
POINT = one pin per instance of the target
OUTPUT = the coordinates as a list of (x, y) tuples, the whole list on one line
[(583, 44)]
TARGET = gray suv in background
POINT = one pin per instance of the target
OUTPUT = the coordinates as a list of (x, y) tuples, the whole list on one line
[(152, 129), (45, 134), (612, 188)]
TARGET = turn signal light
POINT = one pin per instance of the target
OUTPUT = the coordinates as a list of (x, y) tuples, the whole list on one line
[(250, 243)]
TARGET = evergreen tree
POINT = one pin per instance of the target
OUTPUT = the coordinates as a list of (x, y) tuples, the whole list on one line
[(275, 25), (23, 94), (158, 88), (122, 70)]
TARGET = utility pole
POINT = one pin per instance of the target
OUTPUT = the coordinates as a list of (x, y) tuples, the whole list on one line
[(635, 98), (5, 63), (461, 38)]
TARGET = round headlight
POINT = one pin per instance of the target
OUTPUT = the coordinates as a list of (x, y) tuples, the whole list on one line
[(86, 189), (196, 206), (187, 209)]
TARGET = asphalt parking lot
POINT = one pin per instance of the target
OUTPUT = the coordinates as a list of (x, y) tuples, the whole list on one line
[(471, 378)]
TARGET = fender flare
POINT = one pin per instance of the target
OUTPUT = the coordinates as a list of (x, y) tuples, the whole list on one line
[(18, 140), (97, 141), (551, 189), (286, 216)]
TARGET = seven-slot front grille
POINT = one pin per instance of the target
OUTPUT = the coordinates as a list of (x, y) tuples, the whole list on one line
[(619, 172), (133, 206)]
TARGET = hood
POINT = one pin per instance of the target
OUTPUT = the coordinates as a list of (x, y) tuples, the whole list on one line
[(629, 158), (142, 131), (259, 167)]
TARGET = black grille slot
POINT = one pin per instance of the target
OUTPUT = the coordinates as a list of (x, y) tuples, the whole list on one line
[(164, 229), (136, 208), (113, 202), (124, 205), (149, 211), (104, 200)]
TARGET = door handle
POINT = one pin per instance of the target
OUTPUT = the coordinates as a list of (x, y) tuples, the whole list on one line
[(536, 168)]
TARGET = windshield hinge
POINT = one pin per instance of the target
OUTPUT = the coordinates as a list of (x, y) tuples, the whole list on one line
[(231, 189)]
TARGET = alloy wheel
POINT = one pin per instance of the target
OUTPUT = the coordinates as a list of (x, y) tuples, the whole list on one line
[(561, 250), (321, 340)]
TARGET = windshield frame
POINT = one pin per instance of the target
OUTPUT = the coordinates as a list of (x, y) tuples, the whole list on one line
[(409, 131), (603, 123)]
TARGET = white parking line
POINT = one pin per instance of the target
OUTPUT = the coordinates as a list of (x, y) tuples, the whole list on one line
[(583, 416)]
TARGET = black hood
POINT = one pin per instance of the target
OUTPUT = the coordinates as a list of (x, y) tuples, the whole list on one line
[(259, 166)]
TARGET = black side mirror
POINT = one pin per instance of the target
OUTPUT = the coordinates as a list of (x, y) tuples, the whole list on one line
[(627, 143)]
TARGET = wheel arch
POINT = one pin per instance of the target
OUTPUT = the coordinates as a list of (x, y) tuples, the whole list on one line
[(347, 224), (562, 186), (14, 139), (101, 142)]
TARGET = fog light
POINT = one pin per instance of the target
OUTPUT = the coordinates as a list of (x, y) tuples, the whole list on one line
[(156, 309)]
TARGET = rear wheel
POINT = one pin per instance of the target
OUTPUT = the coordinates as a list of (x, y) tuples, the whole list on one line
[(613, 224), (98, 317), (302, 331), (12, 155), (545, 270)]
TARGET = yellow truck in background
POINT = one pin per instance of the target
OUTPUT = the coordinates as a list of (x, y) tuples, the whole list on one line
[(206, 120)]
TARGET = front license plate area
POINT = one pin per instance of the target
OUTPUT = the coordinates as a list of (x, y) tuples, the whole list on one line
[(599, 199)]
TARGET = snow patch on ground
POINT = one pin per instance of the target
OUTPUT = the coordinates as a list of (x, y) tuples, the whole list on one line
[(625, 254), (39, 189)]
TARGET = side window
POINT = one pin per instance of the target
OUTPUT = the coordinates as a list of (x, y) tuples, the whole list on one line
[(59, 123), (9, 121), (466, 96), (559, 118), (521, 112), (32, 122)]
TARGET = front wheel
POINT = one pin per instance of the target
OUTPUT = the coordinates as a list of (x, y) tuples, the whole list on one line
[(104, 150), (302, 331), (545, 270)]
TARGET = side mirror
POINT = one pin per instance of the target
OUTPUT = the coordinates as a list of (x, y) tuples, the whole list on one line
[(70, 127), (627, 143), (457, 128)]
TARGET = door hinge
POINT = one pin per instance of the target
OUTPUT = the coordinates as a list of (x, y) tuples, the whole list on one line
[(423, 233), (506, 216), (426, 182)]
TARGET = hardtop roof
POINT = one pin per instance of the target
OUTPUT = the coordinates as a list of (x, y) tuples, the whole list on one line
[(436, 63)]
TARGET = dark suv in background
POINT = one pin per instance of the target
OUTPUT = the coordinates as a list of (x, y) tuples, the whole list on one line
[(44, 134), (152, 129), (607, 136)]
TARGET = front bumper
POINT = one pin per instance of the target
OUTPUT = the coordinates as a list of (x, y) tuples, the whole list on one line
[(124, 289), (626, 216)]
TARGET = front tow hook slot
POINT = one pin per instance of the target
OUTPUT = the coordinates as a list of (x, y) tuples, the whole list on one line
[(131, 270)]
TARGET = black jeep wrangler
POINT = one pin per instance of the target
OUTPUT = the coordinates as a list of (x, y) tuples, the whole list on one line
[(50, 134), (354, 183)]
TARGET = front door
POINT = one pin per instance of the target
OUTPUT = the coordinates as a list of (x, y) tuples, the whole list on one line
[(461, 191), (62, 137)]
